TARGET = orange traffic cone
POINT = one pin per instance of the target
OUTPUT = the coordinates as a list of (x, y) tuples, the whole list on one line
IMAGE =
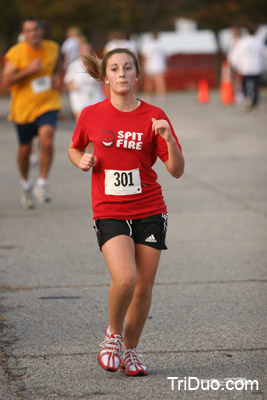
[(203, 91), (227, 90)]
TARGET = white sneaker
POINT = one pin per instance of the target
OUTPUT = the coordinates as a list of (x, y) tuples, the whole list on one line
[(26, 199), (41, 192), (109, 355), (131, 363)]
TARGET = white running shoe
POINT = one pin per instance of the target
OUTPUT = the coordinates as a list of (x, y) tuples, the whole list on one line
[(41, 192), (109, 356), (131, 363), (26, 199)]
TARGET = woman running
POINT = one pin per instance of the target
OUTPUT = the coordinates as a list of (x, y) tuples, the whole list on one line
[(129, 212)]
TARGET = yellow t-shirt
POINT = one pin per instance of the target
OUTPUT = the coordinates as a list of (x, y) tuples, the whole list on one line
[(34, 95)]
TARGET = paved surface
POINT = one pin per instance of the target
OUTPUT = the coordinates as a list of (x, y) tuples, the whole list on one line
[(208, 318)]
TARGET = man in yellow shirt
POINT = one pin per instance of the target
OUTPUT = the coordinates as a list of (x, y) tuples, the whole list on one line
[(31, 70)]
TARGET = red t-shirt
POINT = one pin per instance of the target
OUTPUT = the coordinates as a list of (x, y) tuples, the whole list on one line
[(124, 185)]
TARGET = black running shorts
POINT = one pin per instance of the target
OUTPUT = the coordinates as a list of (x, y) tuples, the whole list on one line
[(26, 132), (150, 231)]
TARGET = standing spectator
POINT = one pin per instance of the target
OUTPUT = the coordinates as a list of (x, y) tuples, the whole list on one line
[(154, 66), (70, 46), (83, 89), (31, 70), (247, 58)]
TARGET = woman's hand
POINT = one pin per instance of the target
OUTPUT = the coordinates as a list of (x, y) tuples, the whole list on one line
[(82, 160), (161, 126), (87, 161), (175, 162)]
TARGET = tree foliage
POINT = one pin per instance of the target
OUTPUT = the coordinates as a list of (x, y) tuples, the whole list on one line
[(98, 17), (220, 14)]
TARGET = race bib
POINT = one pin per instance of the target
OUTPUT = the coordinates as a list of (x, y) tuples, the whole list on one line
[(41, 84), (122, 183)]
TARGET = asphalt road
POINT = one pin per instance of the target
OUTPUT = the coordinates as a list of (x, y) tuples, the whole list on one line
[(207, 325)]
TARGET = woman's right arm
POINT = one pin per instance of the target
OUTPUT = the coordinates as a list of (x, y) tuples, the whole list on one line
[(82, 160)]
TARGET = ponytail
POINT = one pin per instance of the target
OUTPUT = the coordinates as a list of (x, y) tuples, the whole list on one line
[(92, 66)]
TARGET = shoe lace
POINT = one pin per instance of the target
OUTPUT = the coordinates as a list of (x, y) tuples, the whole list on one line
[(132, 357), (112, 345)]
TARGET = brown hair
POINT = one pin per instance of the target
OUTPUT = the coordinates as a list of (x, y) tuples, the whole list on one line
[(97, 68)]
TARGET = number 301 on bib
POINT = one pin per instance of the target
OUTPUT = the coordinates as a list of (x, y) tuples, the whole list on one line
[(122, 183)]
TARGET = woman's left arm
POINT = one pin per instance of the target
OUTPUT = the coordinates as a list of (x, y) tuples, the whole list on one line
[(175, 162)]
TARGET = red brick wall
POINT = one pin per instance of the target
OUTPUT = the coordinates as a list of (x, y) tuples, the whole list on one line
[(185, 70)]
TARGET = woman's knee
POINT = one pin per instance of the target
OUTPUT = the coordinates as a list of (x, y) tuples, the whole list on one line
[(125, 285), (143, 292)]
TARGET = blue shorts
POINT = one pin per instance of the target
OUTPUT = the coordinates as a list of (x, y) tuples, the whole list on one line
[(150, 231), (26, 132)]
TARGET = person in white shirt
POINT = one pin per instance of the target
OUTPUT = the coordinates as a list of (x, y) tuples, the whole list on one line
[(154, 67), (83, 89), (70, 46), (247, 58)]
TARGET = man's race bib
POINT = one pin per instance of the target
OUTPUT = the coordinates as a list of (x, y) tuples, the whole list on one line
[(41, 84), (122, 183)]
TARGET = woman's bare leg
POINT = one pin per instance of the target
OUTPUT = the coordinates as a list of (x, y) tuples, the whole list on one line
[(147, 260), (119, 253)]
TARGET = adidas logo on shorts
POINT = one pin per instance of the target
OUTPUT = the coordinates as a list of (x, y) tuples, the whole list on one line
[(151, 239)]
